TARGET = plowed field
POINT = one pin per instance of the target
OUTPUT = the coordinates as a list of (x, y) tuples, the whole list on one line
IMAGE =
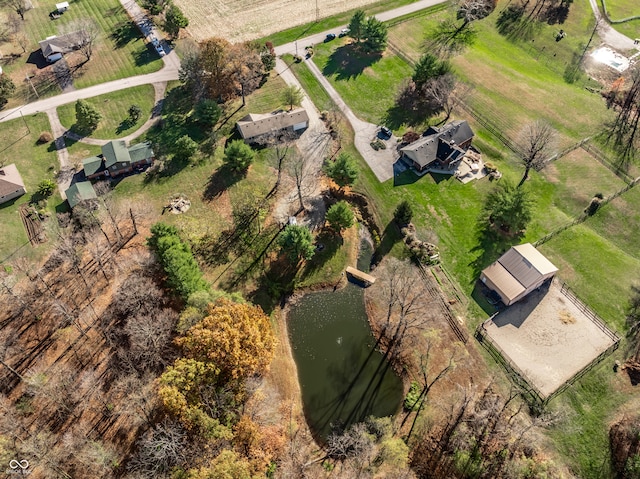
[(240, 20)]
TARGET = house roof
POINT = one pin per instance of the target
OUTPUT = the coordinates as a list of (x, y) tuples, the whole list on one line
[(115, 152), (141, 151), (62, 44), (92, 165), (78, 192), (10, 180), (439, 143), (518, 269), (254, 124)]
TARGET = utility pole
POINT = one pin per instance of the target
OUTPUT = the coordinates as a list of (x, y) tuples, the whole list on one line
[(25, 122), (31, 83)]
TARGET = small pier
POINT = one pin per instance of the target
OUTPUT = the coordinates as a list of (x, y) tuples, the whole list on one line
[(361, 276)]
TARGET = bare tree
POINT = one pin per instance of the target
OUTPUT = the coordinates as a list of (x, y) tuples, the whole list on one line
[(135, 397), (160, 449), (625, 127), (18, 6), (300, 170), (150, 338), (87, 32), (281, 143), (535, 142), (437, 93)]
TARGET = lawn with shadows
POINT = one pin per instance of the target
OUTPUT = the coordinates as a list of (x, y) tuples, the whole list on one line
[(35, 162), (119, 50), (369, 87), (114, 108)]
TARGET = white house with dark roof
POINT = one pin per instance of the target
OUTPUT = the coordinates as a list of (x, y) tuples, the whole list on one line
[(255, 125), (518, 272), (55, 46), (11, 184)]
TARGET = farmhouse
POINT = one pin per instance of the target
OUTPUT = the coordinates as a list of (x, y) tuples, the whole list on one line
[(255, 125), (117, 159), (439, 147), (79, 192), (518, 272), (11, 184), (54, 47)]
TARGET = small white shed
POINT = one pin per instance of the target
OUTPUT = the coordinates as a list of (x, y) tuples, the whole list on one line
[(62, 7)]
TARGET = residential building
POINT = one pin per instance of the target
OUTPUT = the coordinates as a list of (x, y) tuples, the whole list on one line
[(11, 184)]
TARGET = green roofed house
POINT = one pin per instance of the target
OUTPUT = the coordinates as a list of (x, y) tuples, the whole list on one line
[(116, 159), (79, 192)]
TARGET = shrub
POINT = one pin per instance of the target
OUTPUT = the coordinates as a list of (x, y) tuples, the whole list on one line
[(46, 188), (411, 399), (403, 213), (410, 137), (45, 137)]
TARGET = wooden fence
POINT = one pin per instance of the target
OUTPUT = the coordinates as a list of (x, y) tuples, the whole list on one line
[(529, 392), (599, 156), (436, 294)]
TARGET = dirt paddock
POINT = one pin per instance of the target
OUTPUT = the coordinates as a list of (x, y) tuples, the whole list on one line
[(548, 337), (241, 20)]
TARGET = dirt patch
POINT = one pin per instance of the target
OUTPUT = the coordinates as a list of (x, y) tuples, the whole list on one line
[(241, 20), (547, 337)]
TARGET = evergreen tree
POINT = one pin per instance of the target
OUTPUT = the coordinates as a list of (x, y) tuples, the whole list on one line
[(297, 243), (340, 216), (238, 155), (357, 25), (175, 20), (403, 213), (87, 117), (343, 170)]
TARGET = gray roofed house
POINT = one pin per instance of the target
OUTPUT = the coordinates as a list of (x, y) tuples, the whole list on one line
[(116, 159), (517, 272), (255, 125), (443, 145), (79, 192), (55, 46), (11, 184)]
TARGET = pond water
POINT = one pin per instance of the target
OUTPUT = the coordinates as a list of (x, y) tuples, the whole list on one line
[(342, 377)]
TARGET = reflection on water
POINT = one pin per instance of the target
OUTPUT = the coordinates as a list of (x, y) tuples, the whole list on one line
[(342, 377)]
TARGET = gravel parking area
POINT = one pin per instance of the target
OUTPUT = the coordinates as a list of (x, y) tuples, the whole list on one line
[(548, 337)]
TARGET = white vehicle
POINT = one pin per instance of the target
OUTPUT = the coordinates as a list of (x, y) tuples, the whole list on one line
[(160, 50)]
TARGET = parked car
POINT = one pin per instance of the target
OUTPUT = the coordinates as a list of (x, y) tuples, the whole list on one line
[(329, 37), (386, 132), (160, 50), (155, 42), (344, 32)]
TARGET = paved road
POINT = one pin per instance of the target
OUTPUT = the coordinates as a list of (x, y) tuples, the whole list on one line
[(608, 34)]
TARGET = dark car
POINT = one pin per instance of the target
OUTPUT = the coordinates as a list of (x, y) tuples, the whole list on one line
[(329, 37), (385, 132), (493, 298)]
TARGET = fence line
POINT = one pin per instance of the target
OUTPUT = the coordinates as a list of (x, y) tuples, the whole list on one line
[(592, 315), (502, 358), (396, 50), (597, 154), (564, 152), (446, 309), (491, 128), (584, 215), (519, 377)]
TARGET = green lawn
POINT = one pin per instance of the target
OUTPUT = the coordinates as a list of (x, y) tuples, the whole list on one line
[(620, 9), (119, 50), (368, 84), (35, 163), (114, 108)]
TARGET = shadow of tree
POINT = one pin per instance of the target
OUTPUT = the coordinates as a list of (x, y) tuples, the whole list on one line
[(490, 246), (221, 180), (124, 33), (349, 61), (514, 25), (390, 236), (124, 125), (145, 55)]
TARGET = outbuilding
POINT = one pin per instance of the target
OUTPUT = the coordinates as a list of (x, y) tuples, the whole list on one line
[(62, 7), (518, 272)]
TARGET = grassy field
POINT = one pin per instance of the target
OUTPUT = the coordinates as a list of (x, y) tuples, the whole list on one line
[(119, 50), (599, 259), (35, 163), (114, 108)]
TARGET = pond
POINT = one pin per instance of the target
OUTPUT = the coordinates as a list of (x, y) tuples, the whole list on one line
[(342, 377)]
